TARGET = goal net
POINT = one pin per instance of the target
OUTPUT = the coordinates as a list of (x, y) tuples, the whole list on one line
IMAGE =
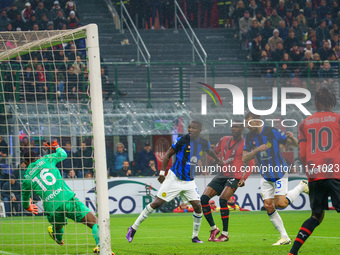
[(51, 91)]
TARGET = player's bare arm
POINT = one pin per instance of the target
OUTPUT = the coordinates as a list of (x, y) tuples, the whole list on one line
[(247, 156), (212, 154), (165, 163), (291, 139)]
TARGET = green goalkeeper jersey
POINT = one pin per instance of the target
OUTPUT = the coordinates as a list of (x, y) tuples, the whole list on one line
[(44, 178)]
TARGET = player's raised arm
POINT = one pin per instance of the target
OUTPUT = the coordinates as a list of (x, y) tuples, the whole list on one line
[(165, 163), (59, 155), (247, 156)]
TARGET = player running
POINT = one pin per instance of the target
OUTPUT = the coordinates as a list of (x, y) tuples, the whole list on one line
[(319, 137), (180, 180), (59, 201), (264, 143), (225, 184)]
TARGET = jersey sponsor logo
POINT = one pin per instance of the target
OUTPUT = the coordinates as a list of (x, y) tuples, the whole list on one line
[(55, 193), (39, 164), (264, 155), (193, 161)]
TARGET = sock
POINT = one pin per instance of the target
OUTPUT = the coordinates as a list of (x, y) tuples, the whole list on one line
[(224, 214), (294, 193), (58, 233), (197, 223), (142, 217), (278, 223), (306, 230), (207, 211), (95, 233), (225, 233)]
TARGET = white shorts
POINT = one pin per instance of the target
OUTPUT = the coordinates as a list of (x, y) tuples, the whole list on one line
[(270, 189), (172, 187)]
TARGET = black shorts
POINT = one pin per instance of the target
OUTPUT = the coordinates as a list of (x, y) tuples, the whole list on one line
[(221, 181), (319, 191)]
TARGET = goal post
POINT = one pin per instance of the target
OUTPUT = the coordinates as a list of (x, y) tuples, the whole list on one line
[(50, 88)]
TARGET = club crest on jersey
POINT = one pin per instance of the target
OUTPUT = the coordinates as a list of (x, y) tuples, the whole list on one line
[(163, 194), (269, 144), (233, 152)]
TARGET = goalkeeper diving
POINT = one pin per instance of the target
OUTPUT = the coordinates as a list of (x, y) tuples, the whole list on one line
[(59, 201)]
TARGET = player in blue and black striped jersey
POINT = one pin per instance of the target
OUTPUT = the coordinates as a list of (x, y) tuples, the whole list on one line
[(264, 143), (180, 178)]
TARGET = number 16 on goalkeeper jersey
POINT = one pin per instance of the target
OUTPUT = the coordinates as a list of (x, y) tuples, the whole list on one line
[(59, 201)]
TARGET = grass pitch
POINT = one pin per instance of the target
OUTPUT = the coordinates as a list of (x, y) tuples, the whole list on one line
[(250, 233)]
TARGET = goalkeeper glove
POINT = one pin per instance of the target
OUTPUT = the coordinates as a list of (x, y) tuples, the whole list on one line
[(53, 146), (32, 207)]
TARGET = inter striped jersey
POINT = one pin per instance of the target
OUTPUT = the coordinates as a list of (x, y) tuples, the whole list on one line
[(188, 152), (271, 162)]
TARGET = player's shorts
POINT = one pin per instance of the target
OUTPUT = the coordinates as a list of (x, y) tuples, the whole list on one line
[(72, 209), (320, 190), (172, 187), (271, 189), (221, 181)]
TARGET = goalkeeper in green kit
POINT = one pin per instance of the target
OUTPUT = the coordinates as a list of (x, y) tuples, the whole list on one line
[(59, 201)]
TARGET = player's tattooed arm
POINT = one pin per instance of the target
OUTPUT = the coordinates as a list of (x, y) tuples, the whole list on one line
[(291, 139), (165, 163), (247, 156), (212, 154)]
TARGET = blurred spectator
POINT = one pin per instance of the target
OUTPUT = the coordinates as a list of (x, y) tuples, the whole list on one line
[(277, 55), (335, 40), (329, 21), (325, 52), (119, 157), (275, 19), (268, 9), (309, 48), (245, 24), (252, 7), (27, 12), (151, 169), (50, 25), (297, 30), (35, 3), (315, 43), (143, 159), (308, 9), (4, 21), (3, 150), (29, 83), (313, 21), (88, 175), (302, 21), (41, 84), (335, 9), (310, 71), (83, 160), (18, 24), (322, 32), (290, 41), (78, 65), (256, 48), (70, 6), (59, 21), (254, 30), (72, 20), (295, 53), (283, 30), (274, 40), (13, 12), (260, 19), (334, 31), (327, 73), (296, 10), (267, 31), (322, 10), (41, 10), (206, 6), (11, 195), (239, 12), (31, 22), (125, 171), (72, 82), (43, 23), (19, 173), (55, 9), (337, 51), (60, 86), (281, 9), (268, 51), (264, 58), (289, 18), (317, 60), (71, 174)]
